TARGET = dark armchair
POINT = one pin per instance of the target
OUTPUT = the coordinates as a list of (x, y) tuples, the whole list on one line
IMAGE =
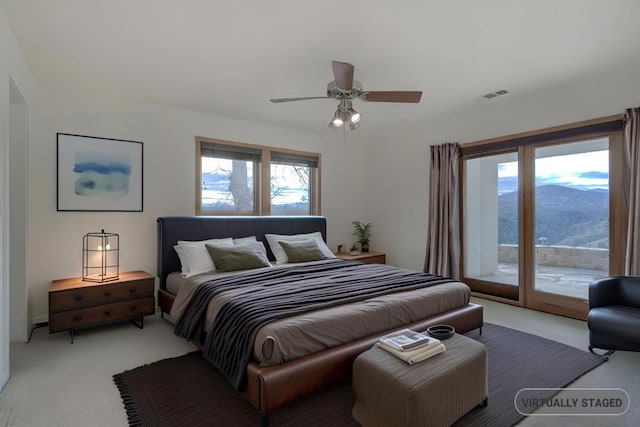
[(614, 314)]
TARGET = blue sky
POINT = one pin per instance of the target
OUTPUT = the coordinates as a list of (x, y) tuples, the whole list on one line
[(584, 171)]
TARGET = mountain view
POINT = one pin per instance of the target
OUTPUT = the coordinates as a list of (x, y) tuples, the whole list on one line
[(564, 216)]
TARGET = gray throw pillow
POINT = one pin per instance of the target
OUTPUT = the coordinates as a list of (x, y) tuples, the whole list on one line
[(239, 257), (302, 250)]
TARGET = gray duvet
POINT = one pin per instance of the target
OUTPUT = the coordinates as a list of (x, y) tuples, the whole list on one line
[(294, 337)]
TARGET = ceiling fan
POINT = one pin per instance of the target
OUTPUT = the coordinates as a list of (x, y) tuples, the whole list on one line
[(345, 89)]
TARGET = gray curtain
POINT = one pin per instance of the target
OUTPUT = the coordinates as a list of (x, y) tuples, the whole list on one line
[(632, 189), (443, 237)]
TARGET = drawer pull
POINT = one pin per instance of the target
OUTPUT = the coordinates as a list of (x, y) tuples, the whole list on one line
[(77, 318), (107, 294), (78, 298), (107, 313), (132, 290)]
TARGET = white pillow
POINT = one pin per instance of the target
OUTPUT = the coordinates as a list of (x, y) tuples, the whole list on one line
[(195, 258), (279, 253), (225, 241), (243, 240)]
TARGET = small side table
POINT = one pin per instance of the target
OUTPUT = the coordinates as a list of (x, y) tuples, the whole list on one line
[(75, 304), (365, 257)]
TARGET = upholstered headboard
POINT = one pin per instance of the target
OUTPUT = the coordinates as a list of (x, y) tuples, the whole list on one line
[(174, 228)]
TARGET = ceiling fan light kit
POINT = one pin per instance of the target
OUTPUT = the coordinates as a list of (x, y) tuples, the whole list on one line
[(345, 113), (337, 120), (354, 116), (344, 88)]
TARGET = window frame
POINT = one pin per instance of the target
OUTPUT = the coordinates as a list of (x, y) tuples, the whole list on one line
[(524, 144), (261, 177)]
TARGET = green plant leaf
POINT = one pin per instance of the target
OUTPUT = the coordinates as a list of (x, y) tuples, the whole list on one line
[(362, 231)]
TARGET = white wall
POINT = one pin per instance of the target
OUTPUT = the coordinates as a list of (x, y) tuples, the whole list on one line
[(55, 241), (12, 66), (397, 192), (18, 122)]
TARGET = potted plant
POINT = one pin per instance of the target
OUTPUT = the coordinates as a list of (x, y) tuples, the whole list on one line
[(363, 232)]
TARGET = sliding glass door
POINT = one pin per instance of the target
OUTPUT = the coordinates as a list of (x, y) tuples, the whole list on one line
[(571, 216), (491, 250), (543, 220), (571, 223)]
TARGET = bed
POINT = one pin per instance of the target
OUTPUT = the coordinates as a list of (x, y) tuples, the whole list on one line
[(273, 381)]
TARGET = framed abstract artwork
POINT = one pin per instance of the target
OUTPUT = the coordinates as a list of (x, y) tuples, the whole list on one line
[(99, 174)]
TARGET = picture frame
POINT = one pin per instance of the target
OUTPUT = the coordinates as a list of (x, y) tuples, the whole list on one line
[(98, 174)]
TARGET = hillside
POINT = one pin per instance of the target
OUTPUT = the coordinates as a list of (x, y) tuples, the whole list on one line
[(564, 215)]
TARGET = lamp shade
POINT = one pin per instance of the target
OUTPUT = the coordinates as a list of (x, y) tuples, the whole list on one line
[(100, 257)]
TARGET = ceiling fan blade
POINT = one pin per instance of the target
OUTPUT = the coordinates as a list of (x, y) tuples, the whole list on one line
[(392, 96), (276, 100), (343, 75)]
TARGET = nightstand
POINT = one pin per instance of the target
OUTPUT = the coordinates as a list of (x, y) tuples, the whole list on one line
[(365, 257), (75, 304)]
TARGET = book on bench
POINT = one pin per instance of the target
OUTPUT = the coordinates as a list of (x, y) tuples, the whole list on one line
[(411, 346), (406, 339), (416, 355)]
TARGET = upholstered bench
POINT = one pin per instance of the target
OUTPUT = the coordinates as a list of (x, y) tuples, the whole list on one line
[(434, 392)]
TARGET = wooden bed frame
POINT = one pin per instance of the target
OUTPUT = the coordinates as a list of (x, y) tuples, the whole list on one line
[(275, 386)]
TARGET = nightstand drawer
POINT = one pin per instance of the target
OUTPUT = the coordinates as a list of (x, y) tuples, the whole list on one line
[(365, 257), (103, 293), (75, 319), (377, 259)]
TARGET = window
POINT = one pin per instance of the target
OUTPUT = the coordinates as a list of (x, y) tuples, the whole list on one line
[(243, 179), (542, 215), (227, 179), (292, 182)]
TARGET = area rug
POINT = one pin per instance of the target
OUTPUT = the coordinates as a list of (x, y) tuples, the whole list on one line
[(187, 390)]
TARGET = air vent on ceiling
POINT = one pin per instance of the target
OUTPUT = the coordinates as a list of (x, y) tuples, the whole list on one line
[(491, 95), (495, 94)]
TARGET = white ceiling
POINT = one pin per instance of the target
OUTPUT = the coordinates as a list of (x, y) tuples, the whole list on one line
[(229, 58)]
